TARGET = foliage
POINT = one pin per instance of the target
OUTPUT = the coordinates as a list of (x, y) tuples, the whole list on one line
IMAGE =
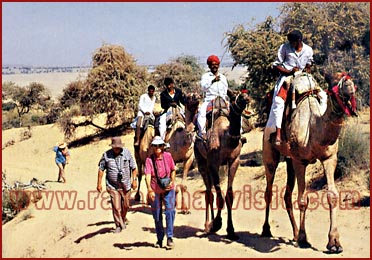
[(338, 32), (71, 95), (112, 87), (185, 71), (23, 99), (354, 151)]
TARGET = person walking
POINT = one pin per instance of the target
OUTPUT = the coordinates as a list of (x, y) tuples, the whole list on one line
[(121, 176), (62, 158), (160, 181)]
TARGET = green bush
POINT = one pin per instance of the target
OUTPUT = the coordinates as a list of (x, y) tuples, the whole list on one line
[(353, 152)]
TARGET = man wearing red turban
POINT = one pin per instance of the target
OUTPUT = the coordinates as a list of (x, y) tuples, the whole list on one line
[(213, 58), (213, 84)]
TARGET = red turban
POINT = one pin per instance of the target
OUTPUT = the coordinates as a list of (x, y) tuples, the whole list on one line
[(213, 58)]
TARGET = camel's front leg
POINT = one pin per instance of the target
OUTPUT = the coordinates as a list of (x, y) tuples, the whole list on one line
[(270, 159), (291, 179), (302, 201), (230, 198), (183, 187), (137, 196), (333, 245)]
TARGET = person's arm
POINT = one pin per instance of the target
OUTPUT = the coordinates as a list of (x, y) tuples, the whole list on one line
[(206, 82), (148, 169), (134, 179), (99, 180)]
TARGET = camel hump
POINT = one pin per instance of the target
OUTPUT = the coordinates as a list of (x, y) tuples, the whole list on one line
[(304, 82), (302, 122)]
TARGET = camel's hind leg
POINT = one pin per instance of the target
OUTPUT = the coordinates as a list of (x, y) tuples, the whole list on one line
[(329, 165), (291, 179), (270, 159)]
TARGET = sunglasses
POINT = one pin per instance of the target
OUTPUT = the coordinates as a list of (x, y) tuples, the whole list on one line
[(157, 145)]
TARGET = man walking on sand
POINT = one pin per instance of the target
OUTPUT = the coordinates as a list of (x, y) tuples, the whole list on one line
[(121, 176)]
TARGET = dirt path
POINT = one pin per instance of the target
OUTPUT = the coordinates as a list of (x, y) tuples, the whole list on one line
[(86, 232)]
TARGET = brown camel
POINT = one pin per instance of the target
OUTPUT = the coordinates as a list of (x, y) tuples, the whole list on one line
[(143, 151), (222, 147), (310, 136), (181, 139)]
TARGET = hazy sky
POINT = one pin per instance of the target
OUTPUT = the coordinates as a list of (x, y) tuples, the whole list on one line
[(66, 34)]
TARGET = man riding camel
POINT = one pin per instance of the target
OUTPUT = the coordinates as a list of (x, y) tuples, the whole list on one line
[(213, 84), (292, 57), (145, 107)]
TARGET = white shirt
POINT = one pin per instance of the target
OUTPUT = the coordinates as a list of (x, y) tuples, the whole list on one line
[(218, 88), (146, 104), (289, 58)]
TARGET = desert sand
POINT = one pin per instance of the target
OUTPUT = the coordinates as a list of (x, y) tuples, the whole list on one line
[(83, 227)]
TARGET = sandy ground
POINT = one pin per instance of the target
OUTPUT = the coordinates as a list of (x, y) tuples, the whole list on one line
[(82, 227)]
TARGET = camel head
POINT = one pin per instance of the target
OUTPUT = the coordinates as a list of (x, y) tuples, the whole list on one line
[(344, 93), (192, 103)]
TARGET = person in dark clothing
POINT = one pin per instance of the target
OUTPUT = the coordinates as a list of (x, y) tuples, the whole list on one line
[(170, 97)]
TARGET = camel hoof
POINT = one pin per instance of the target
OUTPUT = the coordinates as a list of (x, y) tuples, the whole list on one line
[(137, 197), (335, 249), (216, 225), (232, 236), (266, 231), (303, 244)]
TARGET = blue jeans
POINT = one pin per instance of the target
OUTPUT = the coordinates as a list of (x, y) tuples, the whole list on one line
[(169, 200)]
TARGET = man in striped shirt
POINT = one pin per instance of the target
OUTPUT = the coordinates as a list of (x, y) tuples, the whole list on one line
[(121, 176)]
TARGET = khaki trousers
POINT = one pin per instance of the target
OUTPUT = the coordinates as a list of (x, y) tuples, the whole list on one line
[(120, 206)]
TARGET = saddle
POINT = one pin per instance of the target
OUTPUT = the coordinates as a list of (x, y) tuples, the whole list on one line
[(173, 114), (216, 108), (148, 120)]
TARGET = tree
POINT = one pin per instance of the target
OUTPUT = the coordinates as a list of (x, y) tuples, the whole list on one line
[(184, 70), (338, 33), (112, 88), (23, 99)]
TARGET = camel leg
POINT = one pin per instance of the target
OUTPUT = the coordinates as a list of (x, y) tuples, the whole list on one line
[(213, 167), (230, 198), (137, 197), (329, 165), (202, 167), (271, 159), (291, 179), (302, 200), (186, 167)]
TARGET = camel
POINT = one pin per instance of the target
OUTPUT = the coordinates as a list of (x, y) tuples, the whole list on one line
[(144, 150), (222, 147), (309, 135), (181, 139)]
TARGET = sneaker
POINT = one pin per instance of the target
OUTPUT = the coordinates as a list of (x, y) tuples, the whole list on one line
[(170, 243), (158, 244)]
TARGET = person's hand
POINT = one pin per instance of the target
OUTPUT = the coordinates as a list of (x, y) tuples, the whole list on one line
[(173, 104), (150, 196), (217, 78), (134, 184), (99, 188), (295, 69), (147, 113), (169, 187)]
